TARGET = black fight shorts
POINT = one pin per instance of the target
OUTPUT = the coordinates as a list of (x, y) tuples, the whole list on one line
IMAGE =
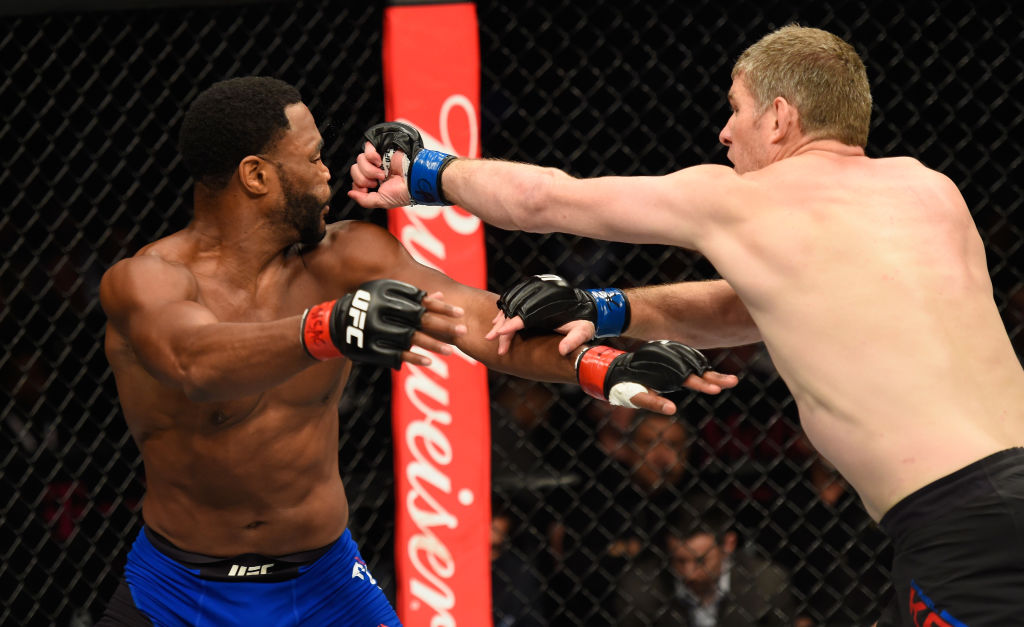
[(959, 548)]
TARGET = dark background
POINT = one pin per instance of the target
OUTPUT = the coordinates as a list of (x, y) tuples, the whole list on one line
[(92, 98)]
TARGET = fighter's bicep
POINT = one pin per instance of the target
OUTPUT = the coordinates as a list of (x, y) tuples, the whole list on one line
[(161, 337), (694, 203), (675, 209), (153, 306)]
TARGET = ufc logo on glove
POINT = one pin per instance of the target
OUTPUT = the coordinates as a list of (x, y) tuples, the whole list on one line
[(357, 312)]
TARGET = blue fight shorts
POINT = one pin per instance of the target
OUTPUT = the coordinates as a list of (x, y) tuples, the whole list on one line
[(328, 586)]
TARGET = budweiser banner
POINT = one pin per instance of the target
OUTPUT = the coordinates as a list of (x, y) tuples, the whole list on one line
[(441, 419)]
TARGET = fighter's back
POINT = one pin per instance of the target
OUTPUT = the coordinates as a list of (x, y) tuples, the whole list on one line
[(868, 281)]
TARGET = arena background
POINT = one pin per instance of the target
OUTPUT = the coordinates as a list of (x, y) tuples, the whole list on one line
[(93, 93)]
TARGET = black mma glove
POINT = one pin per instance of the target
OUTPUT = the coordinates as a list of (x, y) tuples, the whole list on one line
[(616, 376), (372, 325), (546, 301), (425, 166)]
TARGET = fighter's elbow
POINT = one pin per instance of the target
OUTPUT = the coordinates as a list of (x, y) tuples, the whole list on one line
[(540, 200), (200, 394), (197, 385), (198, 379)]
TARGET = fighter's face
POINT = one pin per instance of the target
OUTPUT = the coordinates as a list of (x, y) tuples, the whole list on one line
[(303, 176), (746, 132), (304, 210)]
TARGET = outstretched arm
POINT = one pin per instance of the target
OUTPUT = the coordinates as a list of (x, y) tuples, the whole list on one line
[(676, 209), (535, 357), (704, 314)]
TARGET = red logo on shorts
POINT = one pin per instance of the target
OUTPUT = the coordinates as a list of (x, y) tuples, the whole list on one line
[(923, 612)]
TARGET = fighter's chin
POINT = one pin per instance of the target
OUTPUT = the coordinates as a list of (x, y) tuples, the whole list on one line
[(739, 168), (735, 166), (312, 237), (320, 234)]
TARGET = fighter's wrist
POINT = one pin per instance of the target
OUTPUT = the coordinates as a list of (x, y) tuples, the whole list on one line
[(592, 366), (424, 177), (612, 309), (315, 331)]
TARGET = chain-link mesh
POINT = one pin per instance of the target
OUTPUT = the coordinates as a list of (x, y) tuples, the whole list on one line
[(89, 172)]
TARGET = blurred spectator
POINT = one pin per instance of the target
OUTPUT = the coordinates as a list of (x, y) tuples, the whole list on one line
[(699, 577), (515, 583), (519, 408), (633, 473), (838, 556), (749, 455)]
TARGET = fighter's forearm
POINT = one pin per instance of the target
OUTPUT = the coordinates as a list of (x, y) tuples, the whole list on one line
[(230, 360), (704, 314), (535, 357), (512, 196)]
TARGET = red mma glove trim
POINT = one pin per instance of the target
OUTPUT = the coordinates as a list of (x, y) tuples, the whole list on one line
[(316, 331), (592, 369)]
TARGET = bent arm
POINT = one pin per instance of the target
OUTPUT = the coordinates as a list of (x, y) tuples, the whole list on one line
[(534, 358), (152, 304), (703, 314), (539, 360)]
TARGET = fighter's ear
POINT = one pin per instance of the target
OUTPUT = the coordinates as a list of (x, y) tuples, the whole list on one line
[(253, 174), (786, 119)]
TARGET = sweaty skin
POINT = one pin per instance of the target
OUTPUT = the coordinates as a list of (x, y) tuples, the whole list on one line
[(237, 425), (866, 279)]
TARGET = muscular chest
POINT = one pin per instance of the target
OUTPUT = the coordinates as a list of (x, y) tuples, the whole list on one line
[(284, 293), (276, 296)]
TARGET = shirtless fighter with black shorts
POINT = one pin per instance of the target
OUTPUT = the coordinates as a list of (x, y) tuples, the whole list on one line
[(865, 277)]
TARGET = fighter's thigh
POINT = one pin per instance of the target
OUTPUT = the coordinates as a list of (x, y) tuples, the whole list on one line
[(356, 600), (121, 610)]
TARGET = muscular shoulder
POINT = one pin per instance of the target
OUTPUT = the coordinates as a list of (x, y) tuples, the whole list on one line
[(709, 174), (145, 279), (930, 187), (712, 190), (350, 232), (929, 176), (354, 251)]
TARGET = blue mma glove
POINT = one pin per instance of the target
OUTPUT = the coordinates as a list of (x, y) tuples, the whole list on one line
[(425, 166), (546, 301)]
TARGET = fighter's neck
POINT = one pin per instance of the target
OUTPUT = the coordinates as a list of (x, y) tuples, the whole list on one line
[(830, 146), (240, 243)]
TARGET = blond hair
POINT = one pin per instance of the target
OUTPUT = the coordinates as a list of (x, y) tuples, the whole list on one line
[(818, 73)]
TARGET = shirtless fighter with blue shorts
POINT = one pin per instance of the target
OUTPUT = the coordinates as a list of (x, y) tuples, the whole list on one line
[(231, 342)]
